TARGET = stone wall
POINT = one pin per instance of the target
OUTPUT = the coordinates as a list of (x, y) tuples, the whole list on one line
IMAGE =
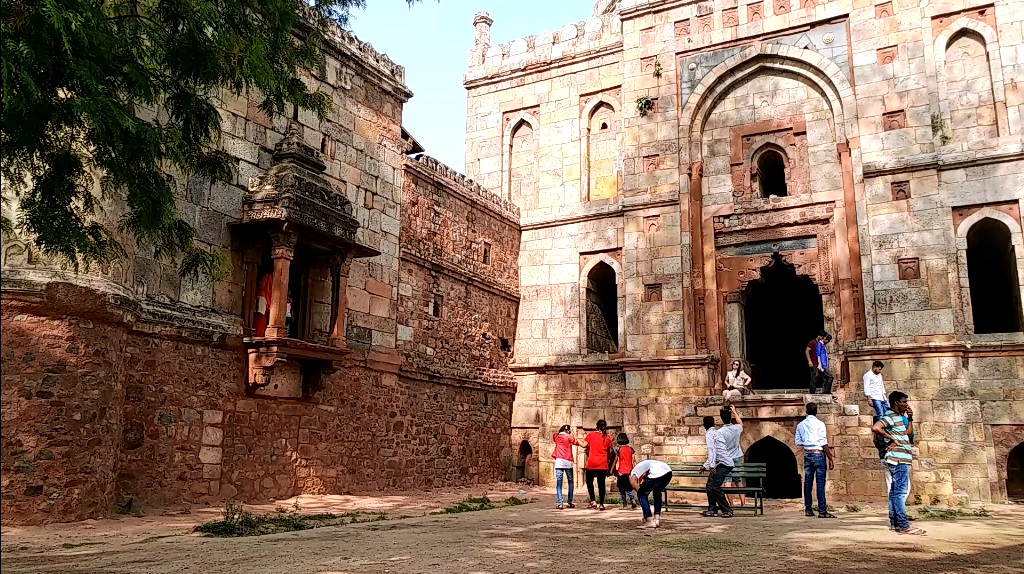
[(126, 382)]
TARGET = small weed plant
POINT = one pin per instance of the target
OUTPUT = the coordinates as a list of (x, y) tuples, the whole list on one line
[(854, 508), (933, 513), (238, 521)]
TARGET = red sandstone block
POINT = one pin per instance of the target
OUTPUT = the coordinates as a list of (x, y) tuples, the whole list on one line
[(378, 288), (245, 405)]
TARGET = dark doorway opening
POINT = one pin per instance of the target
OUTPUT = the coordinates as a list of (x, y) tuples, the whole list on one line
[(602, 310), (782, 478), (525, 450), (783, 313), (771, 174), (1015, 473), (992, 272)]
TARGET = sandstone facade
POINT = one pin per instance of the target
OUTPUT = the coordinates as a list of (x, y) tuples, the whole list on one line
[(779, 167), (128, 382)]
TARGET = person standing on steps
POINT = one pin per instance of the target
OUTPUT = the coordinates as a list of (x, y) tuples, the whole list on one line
[(650, 477), (598, 444), (818, 363), (564, 441), (622, 466), (812, 436), (718, 466), (874, 390), (898, 458)]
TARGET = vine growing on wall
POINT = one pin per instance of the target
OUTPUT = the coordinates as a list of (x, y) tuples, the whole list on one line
[(644, 105), (657, 68), (939, 129)]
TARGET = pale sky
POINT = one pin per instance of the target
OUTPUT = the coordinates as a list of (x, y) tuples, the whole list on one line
[(432, 39)]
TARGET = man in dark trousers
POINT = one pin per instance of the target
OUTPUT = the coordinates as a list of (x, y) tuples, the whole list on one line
[(718, 467), (817, 362)]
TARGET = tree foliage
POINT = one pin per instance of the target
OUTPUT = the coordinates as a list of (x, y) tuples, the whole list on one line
[(103, 101)]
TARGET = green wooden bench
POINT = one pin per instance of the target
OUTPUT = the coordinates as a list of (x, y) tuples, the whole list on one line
[(692, 470)]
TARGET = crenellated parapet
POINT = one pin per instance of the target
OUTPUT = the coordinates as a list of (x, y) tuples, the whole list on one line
[(465, 186), (584, 38), (375, 64)]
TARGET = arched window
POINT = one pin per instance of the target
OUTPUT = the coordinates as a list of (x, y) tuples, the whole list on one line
[(602, 150), (771, 174), (992, 275), (522, 169), (602, 310)]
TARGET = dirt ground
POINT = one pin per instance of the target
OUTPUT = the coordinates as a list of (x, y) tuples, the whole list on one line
[(529, 538)]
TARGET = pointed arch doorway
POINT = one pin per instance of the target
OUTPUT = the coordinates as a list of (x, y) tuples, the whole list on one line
[(782, 312)]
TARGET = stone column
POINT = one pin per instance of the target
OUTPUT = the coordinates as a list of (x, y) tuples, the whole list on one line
[(735, 326), (481, 38), (851, 296), (282, 251), (340, 265)]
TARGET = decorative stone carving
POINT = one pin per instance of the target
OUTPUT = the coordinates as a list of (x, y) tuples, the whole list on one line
[(900, 190), (781, 6), (829, 37), (682, 28), (647, 64), (755, 12), (909, 268), (887, 55), (652, 223), (705, 24), (646, 36), (883, 10), (730, 17), (652, 293), (810, 4), (651, 163), (894, 120)]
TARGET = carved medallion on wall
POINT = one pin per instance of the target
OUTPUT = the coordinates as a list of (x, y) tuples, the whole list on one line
[(887, 55), (730, 17), (755, 12), (900, 190), (894, 120), (909, 268)]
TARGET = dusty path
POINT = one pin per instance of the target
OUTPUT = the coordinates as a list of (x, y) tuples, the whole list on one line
[(539, 538)]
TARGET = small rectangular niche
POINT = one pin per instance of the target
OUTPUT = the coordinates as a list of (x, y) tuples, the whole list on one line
[(485, 253), (652, 293), (900, 190), (435, 305)]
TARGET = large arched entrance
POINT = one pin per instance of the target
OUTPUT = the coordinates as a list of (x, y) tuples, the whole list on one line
[(783, 313), (782, 476), (992, 273), (1015, 473)]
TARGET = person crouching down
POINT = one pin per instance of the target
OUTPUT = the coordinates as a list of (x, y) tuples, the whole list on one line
[(650, 477)]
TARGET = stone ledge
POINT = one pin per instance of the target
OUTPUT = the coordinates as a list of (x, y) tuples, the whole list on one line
[(945, 159)]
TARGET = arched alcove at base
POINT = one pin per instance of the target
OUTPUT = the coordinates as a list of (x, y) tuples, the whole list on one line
[(783, 476)]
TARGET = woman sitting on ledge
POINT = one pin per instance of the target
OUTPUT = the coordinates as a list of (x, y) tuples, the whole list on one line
[(737, 383)]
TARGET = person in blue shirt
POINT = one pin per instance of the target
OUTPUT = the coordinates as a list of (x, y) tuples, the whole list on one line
[(817, 360)]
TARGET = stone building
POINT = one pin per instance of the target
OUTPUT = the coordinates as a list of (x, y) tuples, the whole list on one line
[(705, 181), (129, 385)]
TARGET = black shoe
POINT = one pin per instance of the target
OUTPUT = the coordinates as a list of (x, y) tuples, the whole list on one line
[(809, 513), (726, 515)]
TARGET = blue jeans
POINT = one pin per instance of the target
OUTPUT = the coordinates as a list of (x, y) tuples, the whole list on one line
[(558, 483), (814, 471), (655, 486), (900, 474), (880, 408)]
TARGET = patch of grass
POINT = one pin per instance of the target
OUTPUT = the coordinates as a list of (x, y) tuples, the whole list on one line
[(70, 545), (931, 513), (709, 544), (240, 522), (854, 508), (469, 505), (515, 501)]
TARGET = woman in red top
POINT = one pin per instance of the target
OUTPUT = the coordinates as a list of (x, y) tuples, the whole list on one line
[(564, 440), (623, 466), (598, 444)]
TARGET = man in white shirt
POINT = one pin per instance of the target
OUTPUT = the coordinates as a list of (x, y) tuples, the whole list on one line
[(718, 466), (874, 390), (731, 429), (812, 436), (650, 477)]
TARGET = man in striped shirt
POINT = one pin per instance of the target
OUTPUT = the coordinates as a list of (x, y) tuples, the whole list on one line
[(898, 458)]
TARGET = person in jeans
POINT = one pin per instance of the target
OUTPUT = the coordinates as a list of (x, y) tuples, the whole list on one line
[(812, 436), (732, 427), (898, 458), (718, 465), (650, 477), (564, 441), (597, 443), (823, 375), (874, 390)]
